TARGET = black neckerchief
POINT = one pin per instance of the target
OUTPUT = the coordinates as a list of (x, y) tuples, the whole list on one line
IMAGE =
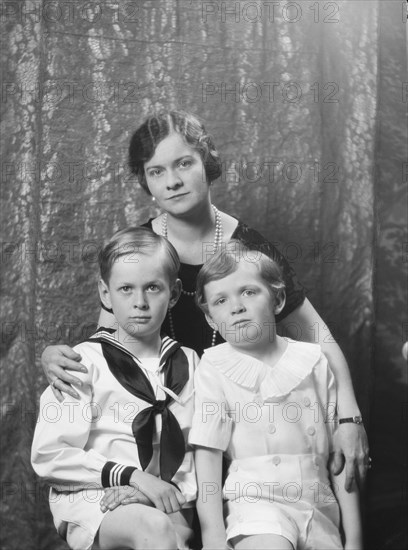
[(126, 369)]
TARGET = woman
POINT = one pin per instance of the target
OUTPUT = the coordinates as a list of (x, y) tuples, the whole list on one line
[(176, 161)]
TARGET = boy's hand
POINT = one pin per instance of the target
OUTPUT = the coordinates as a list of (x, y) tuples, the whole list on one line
[(163, 495), (54, 361), (350, 444), (122, 495)]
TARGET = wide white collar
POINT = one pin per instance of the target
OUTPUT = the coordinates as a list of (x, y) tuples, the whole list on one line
[(293, 367)]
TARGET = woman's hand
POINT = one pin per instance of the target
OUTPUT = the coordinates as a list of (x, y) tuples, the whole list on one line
[(217, 544), (164, 496), (350, 444), (122, 495), (357, 545), (54, 361)]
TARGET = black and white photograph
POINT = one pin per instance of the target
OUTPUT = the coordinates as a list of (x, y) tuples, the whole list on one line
[(204, 275)]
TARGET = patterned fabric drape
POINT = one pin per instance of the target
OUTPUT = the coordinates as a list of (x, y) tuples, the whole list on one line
[(293, 94)]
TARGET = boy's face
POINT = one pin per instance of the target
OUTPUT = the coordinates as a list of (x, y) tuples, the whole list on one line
[(242, 308), (139, 293)]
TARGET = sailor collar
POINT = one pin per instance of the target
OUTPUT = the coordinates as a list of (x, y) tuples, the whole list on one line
[(167, 348)]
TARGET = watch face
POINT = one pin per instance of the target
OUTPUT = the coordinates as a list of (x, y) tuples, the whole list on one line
[(358, 419)]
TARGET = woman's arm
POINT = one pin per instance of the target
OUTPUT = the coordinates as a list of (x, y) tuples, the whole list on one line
[(209, 500), (350, 440), (57, 360), (305, 324), (350, 513)]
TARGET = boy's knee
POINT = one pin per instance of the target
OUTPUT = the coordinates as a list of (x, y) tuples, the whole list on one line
[(160, 529), (161, 523)]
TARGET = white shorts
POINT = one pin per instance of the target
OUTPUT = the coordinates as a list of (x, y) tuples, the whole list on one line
[(304, 527)]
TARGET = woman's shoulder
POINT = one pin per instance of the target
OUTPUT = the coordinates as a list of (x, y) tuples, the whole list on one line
[(245, 233), (148, 224), (235, 228), (253, 239)]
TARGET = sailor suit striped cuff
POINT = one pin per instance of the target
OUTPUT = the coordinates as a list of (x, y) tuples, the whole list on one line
[(114, 474)]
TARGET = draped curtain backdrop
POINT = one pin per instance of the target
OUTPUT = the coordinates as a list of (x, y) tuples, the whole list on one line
[(306, 103)]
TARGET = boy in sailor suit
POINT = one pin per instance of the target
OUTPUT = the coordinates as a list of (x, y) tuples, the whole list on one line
[(131, 424)]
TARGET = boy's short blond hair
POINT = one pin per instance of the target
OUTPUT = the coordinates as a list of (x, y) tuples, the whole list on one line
[(138, 240), (226, 261)]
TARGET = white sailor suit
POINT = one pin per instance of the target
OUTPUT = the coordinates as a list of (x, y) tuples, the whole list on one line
[(127, 417)]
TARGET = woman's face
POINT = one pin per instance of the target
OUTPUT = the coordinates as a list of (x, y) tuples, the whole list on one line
[(175, 176)]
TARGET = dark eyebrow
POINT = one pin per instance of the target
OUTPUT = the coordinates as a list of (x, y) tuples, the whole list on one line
[(249, 285), (183, 157), (152, 282), (175, 161)]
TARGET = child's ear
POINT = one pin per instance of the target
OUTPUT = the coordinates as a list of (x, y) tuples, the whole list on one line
[(175, 292), (104, 294), (211, 322), (280, 300)]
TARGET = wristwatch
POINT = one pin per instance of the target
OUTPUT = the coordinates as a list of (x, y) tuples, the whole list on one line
[(353, 419)]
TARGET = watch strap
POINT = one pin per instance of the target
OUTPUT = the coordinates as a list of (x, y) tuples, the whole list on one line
[(351, 419)]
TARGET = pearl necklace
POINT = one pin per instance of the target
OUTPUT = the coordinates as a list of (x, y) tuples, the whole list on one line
[(218, 236)]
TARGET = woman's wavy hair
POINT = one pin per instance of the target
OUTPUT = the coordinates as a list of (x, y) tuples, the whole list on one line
[(157, 127)]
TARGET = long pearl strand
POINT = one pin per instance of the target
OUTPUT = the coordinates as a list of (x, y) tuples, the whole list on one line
[(218, 236)]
